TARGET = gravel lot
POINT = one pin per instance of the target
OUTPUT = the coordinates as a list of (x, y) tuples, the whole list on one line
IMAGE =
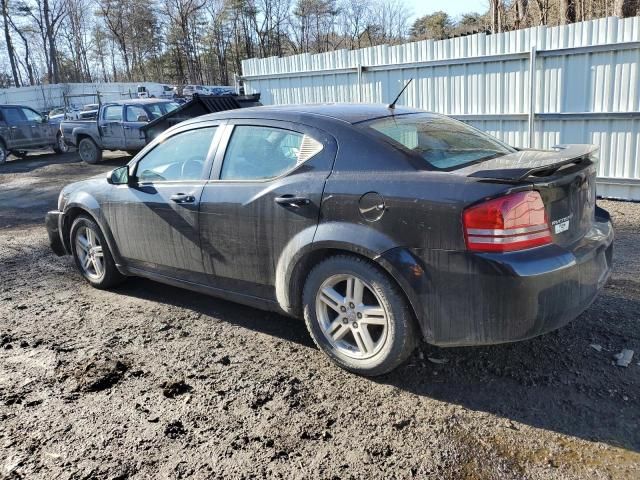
[(150, 381)]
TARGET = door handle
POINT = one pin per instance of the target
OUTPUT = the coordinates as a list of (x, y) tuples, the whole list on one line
[(292, 201), (183, 198)]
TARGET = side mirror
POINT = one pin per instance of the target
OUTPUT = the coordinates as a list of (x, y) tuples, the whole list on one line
[(143, 118), (119, 176), (45, 119)]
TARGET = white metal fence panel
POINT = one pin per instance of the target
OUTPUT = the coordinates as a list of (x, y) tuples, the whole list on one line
[(44, 97), (538, 87)]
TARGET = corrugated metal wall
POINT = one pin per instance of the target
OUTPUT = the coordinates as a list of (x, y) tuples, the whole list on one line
[(586, 86)]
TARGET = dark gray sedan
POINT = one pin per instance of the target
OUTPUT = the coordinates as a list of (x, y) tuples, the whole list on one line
[(378, 226)]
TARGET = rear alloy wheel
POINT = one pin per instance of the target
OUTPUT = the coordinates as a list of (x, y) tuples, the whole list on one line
[(60, 146), (91, 254), (358, 316), (89, 151)]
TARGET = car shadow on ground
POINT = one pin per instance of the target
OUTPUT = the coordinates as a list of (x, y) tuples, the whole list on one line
[(554, 382), (37, 160), (273, 324)]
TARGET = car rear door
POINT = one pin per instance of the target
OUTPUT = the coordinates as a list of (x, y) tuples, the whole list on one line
[(155, 219), (266, 188)]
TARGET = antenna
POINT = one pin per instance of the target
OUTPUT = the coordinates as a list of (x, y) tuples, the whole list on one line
[(392, 105)]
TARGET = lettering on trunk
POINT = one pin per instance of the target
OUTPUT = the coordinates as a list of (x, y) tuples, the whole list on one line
[(562, 224)]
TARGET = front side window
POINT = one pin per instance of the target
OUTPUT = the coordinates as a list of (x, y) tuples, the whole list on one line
[(113, 113), (135, 112), (31, 115), (442, 142), (180, 157), (259, 153)]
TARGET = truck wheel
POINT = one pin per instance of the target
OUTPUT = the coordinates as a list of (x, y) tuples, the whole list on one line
[(89, 151), (3, 153), (60, 146), (358, 316)]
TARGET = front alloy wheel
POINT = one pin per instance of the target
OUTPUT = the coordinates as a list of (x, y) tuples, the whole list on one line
[(358, 315), (91, 254)]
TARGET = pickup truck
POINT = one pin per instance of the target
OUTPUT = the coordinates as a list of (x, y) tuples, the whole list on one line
[(117, 127), (22, 129)]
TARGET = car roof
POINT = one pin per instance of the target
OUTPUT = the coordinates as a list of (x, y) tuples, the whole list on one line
[(15, 105), (344, 112), (137, 101)]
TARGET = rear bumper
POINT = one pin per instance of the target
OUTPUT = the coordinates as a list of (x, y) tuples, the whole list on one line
[(53, 222), (476, 299)]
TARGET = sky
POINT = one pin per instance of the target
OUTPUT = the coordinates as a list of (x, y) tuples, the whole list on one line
[(453, 7)]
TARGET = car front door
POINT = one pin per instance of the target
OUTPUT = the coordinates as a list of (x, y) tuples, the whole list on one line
[(154, 219), (111, 127), (266, 187), (135, 117), (39, 128)]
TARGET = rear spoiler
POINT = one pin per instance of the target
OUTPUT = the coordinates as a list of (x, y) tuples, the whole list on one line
[(540, 163)]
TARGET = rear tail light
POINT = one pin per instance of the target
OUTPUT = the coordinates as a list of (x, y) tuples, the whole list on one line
[(514, 222)]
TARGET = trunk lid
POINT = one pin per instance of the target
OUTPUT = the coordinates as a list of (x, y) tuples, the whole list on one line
[(565, 178)]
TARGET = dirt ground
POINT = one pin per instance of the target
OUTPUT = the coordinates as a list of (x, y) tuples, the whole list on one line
[(150, 381)]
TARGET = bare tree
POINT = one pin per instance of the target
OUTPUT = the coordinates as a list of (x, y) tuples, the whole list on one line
[(4, 6)]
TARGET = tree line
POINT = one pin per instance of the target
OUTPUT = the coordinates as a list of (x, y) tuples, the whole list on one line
[(204, 41)]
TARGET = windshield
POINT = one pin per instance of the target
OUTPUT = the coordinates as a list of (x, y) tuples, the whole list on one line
[(443, 142)]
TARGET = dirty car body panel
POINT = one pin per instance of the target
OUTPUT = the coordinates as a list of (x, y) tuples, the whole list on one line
[(363, 192)]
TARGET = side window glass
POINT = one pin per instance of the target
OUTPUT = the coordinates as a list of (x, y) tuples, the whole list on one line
[(32, 116), (14, 116), (134, 112), (113, 113), (258, 153), (180, 157)]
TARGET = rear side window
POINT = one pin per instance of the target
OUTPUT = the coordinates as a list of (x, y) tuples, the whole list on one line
[(134, 112), (259, 153), (14, 115), (442, 142)]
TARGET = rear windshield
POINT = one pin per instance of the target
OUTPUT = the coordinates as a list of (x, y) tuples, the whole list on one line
[(444, 143)]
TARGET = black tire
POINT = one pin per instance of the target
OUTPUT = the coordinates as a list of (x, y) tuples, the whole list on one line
[(110, 276), (3, 153), (89, 151), (401, 332), (60, 147)]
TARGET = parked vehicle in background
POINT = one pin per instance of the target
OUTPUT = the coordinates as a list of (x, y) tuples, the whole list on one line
[(189, 90), (221, 90), (116, 127), (88, 112), (157, 91), (380, 226), (22, 130)]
